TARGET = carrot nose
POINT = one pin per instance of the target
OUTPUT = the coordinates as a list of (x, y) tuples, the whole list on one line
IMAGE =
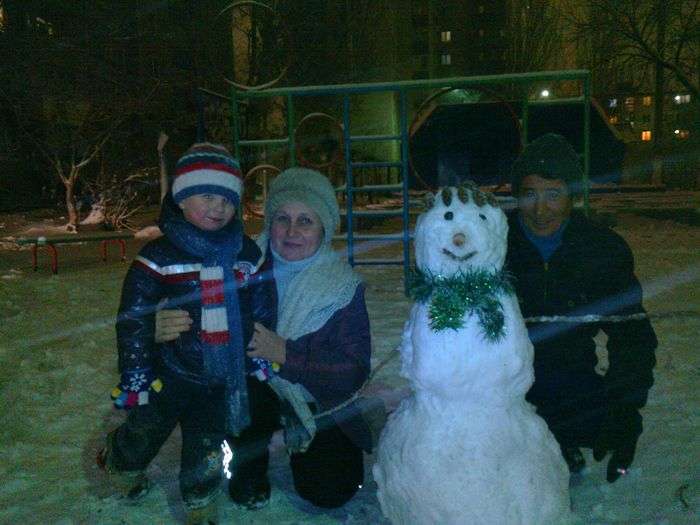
[(459, 239)]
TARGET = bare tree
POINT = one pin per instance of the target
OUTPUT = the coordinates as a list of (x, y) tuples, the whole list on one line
[(68, 101), (658, 41), (661, 34), (534, 35)]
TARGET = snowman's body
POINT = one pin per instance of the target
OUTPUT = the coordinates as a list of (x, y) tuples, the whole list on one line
[(466, 447)]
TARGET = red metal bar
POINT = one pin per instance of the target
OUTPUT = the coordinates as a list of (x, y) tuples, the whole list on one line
[(122, 248), (54, 258)]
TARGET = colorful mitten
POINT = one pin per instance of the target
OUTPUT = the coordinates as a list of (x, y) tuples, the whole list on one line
[(133, 388), (264, 369)]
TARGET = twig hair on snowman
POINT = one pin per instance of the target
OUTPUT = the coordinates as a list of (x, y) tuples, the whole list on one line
[(460, 247)]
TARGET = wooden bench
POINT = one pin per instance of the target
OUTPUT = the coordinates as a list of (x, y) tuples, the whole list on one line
[(51, 242)]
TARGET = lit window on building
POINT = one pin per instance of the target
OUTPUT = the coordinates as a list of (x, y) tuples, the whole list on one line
[(629, 103), (681, 134), (646, 101), (481, 32), (646, 135), (612, 103), (446, 36), (445, 59), (2, 18), (613, 119), (681, 99)]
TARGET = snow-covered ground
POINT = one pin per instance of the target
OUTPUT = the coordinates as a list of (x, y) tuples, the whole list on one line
[(58, 364)]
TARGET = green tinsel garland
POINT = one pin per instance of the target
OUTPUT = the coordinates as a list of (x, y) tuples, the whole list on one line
[(450, 298)]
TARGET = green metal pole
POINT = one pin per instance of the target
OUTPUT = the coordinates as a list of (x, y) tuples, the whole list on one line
[(586, 140), (403, 115), (348, 179), (525, 117)]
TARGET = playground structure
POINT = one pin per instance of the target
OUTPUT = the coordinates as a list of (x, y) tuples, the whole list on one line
[(396, 142)]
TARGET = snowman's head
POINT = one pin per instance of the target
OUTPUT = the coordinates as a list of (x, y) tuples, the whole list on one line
[(463, 229)]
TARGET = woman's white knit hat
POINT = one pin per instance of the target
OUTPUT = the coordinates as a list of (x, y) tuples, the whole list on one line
[(308, 187)]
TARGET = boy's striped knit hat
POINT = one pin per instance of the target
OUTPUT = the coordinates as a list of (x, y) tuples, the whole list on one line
[(208, 168)]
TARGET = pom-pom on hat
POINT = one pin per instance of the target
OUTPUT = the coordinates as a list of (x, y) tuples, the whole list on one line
[(208, 168), (308, 187), (551, 157)]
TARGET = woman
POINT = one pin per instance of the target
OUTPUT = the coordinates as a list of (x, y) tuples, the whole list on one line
[(321, 346)]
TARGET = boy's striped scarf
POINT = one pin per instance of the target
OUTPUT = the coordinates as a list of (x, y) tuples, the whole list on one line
[(214, 322), (223, 354)]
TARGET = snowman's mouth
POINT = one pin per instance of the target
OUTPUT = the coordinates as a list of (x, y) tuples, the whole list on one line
[(459, 258)]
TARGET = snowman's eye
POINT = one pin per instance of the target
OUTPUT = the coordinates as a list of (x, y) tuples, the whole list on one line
[(482, 216), (448, 216)]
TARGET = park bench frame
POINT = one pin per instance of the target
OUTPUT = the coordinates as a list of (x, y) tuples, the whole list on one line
[(50, 244)]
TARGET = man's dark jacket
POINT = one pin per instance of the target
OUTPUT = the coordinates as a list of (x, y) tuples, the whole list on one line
[(591, 272)]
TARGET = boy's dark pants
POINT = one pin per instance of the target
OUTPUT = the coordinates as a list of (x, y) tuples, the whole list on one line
[(328, 474), (200, 412)]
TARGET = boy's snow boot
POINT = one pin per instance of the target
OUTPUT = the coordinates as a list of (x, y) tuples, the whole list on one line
[(249, 492), (207, 515), (133, 485)]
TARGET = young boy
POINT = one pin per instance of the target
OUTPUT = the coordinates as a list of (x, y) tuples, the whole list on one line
[(203, 265)]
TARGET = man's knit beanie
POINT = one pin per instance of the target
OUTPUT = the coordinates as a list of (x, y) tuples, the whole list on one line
[(208, 168), (551, 157), (308, 187)]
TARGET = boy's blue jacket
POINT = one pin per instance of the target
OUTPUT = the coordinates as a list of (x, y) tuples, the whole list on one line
[(162, 271)]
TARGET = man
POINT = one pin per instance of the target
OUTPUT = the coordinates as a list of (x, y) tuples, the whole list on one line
[(565, 265)]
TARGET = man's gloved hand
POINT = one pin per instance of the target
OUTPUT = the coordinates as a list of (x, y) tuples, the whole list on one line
[(133, 388), (618, 434)]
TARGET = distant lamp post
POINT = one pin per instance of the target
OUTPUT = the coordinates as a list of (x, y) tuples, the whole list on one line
[(544, 93)]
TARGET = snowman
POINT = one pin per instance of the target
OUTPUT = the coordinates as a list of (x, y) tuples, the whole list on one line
[(465, 447)]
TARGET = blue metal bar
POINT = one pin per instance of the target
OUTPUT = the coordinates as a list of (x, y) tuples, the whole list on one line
[(374, 188), (378, 214), (374, 138), (264, 142), (378, 164), (291, 125), (373, 237)]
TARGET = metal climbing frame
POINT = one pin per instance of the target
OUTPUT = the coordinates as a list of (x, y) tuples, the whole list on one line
[(401, 89)]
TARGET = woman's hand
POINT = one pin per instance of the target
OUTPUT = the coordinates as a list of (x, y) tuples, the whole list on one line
[(170, 324), (268, 345)]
